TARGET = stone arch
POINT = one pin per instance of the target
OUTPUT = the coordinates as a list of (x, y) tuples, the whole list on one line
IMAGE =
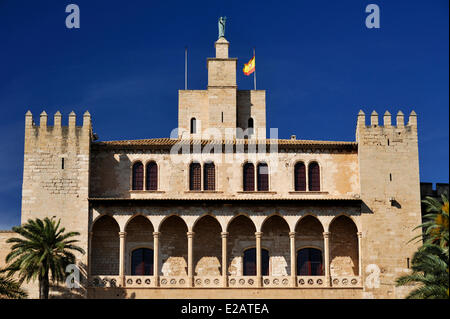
[(139, 231), (173, 246), (354, 220), (238, 215), (343, 247), (241, 235), (308, 234), (105, 246), (207, 246), (275, 238)]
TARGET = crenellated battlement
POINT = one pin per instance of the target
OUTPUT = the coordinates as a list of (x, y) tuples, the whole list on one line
[(57, 119), (43, 136), (385, 132), (387, 120)]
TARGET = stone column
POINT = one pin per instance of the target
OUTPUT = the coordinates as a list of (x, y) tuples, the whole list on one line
[(293, 260), (190, 236), (156, 257), (258, 236), (224, 259), (122, 236), (91, 234), (359, 253), (326, 252)]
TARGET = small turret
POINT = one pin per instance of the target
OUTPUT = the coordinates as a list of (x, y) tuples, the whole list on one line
[(57, 120), (400, 119), (387, 119), (374, 118), (412, 121)]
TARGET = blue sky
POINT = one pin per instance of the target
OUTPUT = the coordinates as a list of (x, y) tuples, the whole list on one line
[(316, 59)]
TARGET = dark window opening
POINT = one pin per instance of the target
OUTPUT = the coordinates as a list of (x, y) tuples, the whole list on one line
[(138, 176), (263, 177), (209, 176), (193, 125), (222, 117), (249, 177), (62, 163), (142, 262), (390, 177), (195, 177), (314, 177), (250, 126), (250, 262), (300, 177), (309, 262), (152, 176)]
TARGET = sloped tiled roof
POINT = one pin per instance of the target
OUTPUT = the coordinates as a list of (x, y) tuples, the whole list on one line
[(165, 142)]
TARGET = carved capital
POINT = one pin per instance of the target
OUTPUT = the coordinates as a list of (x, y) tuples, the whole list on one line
[(258, 234), (190, 234), (156, 234), (122, 234), (326, 234), (292, 234), (224, 234)]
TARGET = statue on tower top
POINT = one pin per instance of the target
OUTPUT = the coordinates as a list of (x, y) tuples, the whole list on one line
[(222, 21)]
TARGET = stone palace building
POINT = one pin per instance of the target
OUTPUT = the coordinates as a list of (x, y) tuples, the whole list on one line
[(219, 210)]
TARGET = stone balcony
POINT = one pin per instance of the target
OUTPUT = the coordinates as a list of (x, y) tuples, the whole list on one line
[(218, 282)]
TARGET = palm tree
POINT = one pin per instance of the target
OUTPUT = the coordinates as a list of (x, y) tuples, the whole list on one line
[(436, 228), (430, 271), (44, 249), (10, 289), (430, 263)]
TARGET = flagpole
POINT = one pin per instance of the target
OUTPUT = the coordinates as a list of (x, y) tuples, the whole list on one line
[(254, 72), (185, 67)]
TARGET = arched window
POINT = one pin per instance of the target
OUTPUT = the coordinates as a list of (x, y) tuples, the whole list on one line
[(300, 177), (309, 262), (195, 181), (250, 126), (193, 125), (250, 262), (314, 177), (138, 177), (249, 177), (263, 177), (151, 182), (142, 262), (209, 175)]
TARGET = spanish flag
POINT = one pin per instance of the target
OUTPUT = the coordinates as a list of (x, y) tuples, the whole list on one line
[(249, 68)]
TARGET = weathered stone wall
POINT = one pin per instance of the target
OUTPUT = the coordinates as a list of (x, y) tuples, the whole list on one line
[(343, 247), (56, 174), (105, 247), (207, 247), (275, 239), (173, 247), (390, 189), (139, 235), (111, 174), (309, 233), (252, 103), (5, 248), (241, 237)]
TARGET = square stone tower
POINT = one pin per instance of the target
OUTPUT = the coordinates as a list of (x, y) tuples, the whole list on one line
[(56, 175), (388, 160), (222, 111)]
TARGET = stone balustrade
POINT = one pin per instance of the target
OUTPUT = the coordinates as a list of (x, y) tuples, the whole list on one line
[(346, 281), (276, 281)]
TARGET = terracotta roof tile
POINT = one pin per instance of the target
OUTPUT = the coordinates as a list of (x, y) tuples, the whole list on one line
[(160, 142)]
